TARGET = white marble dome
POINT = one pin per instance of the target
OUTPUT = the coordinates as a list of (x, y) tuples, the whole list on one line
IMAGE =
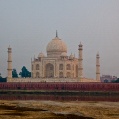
[(55, 47)]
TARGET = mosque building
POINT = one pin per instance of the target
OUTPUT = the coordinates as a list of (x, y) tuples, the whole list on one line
[(56, 66)]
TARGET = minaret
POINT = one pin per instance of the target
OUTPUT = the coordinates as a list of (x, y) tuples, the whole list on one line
[(31, 68), (97, 67), (9, 63), (80, 65)]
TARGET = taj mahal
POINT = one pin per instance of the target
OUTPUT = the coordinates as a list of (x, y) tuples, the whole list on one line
[(57, 66)]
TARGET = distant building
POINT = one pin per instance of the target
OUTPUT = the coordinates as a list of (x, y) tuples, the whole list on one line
[(108, 78)]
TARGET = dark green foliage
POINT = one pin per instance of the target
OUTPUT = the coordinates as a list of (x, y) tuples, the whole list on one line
[(2, 79), (113, 81), (117, 81), (0, 75), (24, 72), (14, 73)]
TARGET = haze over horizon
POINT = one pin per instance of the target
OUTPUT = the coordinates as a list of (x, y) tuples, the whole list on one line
[(29, 25)]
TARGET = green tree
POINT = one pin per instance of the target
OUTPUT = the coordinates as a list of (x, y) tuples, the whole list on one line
[(0, 75), (14, 73), (117, 81), (24, 72)]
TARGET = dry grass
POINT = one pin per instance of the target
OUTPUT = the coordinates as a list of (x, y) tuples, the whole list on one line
[(58, 110)]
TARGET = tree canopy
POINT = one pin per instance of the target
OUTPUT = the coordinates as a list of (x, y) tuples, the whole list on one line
[(24, 72), (14, 73), (0, 75), (117, 81)]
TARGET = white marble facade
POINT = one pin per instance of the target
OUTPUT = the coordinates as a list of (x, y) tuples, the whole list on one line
[(56, 64)]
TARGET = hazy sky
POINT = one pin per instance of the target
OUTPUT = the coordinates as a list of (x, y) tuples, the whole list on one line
[(28, 25)]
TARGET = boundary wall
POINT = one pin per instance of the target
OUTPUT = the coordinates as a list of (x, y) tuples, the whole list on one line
[(60, 86)]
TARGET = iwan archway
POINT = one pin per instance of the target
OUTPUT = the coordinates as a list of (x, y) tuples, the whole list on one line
[(49, 70)]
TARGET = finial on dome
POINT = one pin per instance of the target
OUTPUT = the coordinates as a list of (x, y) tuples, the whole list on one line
[(56, 34), (9, 46), (98, 56), (80, 45)]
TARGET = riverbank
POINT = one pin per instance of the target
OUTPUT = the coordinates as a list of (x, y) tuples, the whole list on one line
[(59, 95), (61, 92), (58, 110)]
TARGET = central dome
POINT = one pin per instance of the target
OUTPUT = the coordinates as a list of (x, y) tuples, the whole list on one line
[(56, 47)]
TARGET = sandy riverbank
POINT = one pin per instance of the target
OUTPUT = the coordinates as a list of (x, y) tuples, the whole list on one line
[(58, 110)]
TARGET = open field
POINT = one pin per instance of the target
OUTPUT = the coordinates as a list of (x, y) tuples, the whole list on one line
[(58, 110)]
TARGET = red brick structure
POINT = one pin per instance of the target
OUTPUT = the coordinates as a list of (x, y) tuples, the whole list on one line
[(50, 86)]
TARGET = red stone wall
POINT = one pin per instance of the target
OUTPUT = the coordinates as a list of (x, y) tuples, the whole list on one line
[(60, 86)]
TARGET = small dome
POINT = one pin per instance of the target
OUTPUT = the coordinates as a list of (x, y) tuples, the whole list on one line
[(80, 45), (98, 54), (64, 54), (71, 57), (41, 55)]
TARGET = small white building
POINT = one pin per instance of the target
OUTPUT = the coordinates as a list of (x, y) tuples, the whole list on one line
[(107, 78)]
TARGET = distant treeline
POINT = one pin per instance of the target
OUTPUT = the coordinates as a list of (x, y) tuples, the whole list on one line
[(116, 81)]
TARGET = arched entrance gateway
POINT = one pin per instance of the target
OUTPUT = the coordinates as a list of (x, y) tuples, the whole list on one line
[(49, 70)]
